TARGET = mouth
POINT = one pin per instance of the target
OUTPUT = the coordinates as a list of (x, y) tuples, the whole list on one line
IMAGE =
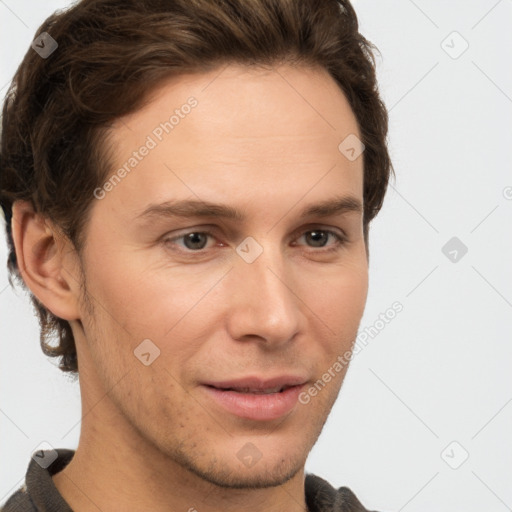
[(258, 384), (256, 400), (255, 391)]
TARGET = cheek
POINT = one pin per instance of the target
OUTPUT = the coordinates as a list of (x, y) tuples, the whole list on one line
[(341, 297), (338, 305), (130, 294), (164, 305), (353, 293)]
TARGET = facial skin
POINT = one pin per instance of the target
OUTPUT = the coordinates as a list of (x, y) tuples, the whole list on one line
[(266, 143)]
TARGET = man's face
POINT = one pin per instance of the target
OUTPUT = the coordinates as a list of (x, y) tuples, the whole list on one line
[(264, 143)]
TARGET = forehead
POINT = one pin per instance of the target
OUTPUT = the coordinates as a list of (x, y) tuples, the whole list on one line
[(246, 94), (237, 131)]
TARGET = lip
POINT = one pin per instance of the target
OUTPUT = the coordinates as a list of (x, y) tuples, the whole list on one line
[(257, 407), (260, 383)]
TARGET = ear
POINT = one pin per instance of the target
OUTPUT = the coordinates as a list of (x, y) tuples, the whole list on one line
[(47, 261)]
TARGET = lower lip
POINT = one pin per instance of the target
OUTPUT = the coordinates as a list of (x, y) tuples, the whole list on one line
[(254, 406)]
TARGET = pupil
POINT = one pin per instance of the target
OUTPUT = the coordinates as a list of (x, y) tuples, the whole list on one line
[(314, 236), (194, 238)]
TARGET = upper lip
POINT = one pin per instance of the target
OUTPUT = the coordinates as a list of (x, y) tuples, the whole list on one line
[(259, 383)]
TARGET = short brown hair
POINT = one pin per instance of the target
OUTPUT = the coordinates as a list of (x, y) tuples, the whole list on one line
[(112, 53)]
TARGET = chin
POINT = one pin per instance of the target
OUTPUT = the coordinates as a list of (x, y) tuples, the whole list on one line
[(255, 477), (243, 467)]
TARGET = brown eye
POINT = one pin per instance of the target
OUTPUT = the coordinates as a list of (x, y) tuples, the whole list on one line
[(318, 238), (194, 241)]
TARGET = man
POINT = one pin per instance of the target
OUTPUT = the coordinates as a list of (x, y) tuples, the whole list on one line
[(135, 130)]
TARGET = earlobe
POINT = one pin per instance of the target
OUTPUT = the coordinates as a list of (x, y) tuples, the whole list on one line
[(46, 261)]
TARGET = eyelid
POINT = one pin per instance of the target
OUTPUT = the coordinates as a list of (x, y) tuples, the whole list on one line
[(212, 228), (320, 227)]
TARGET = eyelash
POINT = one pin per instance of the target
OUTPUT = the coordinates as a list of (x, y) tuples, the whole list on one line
[(340, 241)]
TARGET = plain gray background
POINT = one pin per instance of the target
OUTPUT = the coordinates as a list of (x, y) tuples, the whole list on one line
[(434, 385)]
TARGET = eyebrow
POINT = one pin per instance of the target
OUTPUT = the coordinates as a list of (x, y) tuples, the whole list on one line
[(338, 205)]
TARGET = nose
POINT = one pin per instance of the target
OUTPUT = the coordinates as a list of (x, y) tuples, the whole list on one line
[(263, 304)]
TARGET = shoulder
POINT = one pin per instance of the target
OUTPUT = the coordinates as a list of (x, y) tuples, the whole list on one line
[(39, 492), (19, 502), (321, 496)]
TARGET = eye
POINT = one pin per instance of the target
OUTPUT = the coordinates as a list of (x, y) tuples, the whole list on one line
[(196, 241), (319, 237)]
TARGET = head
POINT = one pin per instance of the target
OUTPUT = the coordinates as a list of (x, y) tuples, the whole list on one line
[(244, 109)]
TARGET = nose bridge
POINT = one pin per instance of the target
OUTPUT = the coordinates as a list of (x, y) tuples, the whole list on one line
[(263, 303)]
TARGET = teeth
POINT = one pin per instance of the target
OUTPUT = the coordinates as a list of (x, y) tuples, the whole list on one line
[(257, 391)]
